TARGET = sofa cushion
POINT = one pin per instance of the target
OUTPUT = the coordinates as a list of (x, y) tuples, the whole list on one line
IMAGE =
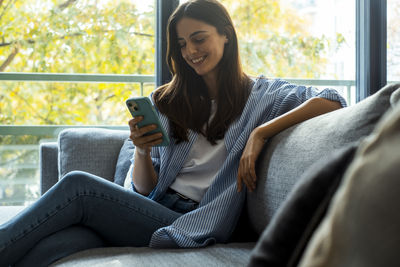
[(286, 236), (124, 162), (234, 254), (287, 155), (90, 150), (362, 226)]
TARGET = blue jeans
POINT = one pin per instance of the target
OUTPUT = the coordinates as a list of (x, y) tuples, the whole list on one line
[(84, 211)]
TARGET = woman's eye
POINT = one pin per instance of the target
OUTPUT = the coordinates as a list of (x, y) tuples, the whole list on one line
[(199, 40), (181, 45)]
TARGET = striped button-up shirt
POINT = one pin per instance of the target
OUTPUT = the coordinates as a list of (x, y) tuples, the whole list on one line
[(216, 217)]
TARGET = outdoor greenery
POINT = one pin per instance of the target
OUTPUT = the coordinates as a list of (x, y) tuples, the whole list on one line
[(275, 40), (85, 36), (115, 37)]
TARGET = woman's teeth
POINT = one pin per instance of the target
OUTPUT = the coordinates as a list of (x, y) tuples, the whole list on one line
[(197, 60)]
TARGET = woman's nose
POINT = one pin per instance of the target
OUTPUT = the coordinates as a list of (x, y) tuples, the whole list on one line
[(191, 48)]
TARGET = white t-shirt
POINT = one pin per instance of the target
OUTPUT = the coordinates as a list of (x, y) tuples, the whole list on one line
[(201, 165)]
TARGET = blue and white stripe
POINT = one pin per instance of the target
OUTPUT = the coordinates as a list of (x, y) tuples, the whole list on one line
[(215, 218)]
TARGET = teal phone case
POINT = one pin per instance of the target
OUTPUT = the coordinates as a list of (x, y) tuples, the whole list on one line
[(141, 106)]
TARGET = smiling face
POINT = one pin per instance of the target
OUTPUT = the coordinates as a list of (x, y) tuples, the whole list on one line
[(201, 46)]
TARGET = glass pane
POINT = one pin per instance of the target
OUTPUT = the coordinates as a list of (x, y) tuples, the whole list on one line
[(19, 174), (50, 104), (86, 36), (393, 41), (57, 103), (308, 42), (52, 36)]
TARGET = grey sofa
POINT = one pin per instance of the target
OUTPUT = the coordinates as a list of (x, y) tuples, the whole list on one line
[(283, 161)]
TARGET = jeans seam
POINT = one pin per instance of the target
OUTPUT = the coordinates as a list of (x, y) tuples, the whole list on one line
[(127, 205), (40, 221), (70, 200)]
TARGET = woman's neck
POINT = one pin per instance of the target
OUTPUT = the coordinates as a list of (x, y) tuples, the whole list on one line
[(212, 87)]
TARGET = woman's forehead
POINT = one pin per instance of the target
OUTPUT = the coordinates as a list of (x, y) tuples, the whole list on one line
[(188, 27)]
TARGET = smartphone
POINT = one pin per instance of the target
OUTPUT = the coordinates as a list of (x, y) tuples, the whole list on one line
[(141, 106)]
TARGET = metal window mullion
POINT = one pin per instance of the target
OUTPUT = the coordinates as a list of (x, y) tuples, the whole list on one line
[(371, 39), (164, 10), (67, 77)]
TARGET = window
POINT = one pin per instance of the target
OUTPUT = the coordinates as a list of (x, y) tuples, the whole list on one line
[(69, 63), (74, 37), (66, 63), (393, 41), (306, 42)]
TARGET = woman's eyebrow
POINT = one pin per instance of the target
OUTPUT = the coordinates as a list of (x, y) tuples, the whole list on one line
[(193, 34)]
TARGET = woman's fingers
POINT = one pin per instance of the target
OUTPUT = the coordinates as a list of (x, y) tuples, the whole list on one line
[(247, 174), (240, 179), (147, 140), (133, 123), (140, 137), (138, 132), (250, 179)]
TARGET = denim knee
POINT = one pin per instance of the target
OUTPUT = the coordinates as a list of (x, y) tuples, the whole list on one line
[(73, 181)]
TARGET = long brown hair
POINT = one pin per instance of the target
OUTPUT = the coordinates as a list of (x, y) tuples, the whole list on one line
[(185, 100)]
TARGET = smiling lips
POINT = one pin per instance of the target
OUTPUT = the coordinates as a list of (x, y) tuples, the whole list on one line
[(198, 60)]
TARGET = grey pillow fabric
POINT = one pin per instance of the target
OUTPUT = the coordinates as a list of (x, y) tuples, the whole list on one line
[(285, 238), (286, 156), (362, 226), (124, 162), (91, 150), (233, 254)]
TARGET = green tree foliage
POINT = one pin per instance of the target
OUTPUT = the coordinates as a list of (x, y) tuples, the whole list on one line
[(275, 40), (72, 36), (105, 36)]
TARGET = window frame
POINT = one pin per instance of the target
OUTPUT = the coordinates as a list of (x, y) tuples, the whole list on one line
[(371, 45), (163, 12), (371, 51)]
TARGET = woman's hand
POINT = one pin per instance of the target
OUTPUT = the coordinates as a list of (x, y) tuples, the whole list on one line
[(247, 164), (142, 142)]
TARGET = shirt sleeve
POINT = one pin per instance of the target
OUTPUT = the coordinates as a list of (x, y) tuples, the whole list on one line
[(289, 96), (213, 222)]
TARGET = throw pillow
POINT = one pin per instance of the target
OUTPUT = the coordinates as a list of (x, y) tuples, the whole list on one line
[(285, 238), (123, 162), (362, 225), (93, 150)]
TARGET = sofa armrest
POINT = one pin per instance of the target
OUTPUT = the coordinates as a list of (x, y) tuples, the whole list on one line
[(92, 150), (48, 166)]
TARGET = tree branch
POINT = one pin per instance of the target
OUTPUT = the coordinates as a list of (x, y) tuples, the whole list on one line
[(9, 59), (5, 8), (34, 113), (66, 4), (30, 41)]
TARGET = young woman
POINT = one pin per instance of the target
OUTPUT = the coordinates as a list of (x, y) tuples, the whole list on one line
[(189, 194)]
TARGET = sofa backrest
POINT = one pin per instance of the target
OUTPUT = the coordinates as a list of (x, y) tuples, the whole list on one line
[(286, 156)]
